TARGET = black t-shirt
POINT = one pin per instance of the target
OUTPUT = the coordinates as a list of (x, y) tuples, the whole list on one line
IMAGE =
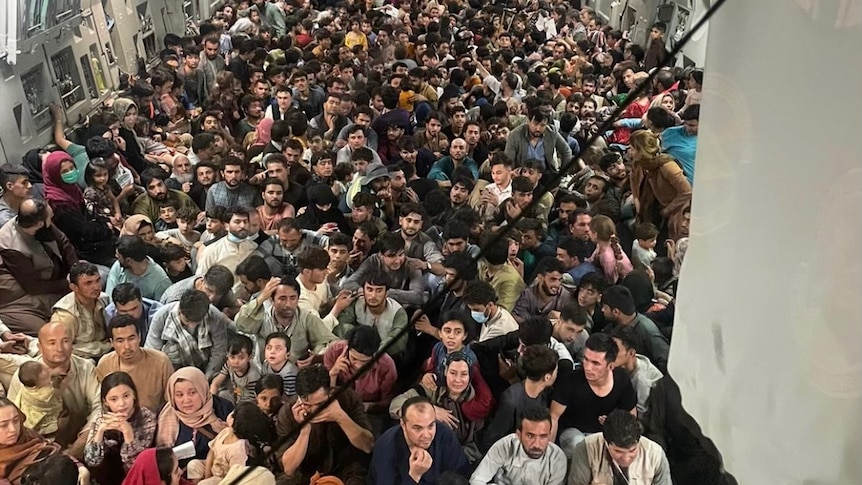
[(583, 406)]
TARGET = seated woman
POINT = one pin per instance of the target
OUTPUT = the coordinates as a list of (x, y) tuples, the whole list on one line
[(460, 402), (141, 225), (120, 433), (21, 448), (92, 237), (156, 466), (192, 413)]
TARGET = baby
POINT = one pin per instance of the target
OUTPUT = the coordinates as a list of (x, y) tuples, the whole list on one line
[(38, 399)]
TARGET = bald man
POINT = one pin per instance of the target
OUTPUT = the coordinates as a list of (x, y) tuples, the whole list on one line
[(444, 169), (76, 379)]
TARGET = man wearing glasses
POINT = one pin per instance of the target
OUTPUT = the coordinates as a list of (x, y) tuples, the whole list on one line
[(336, 441)]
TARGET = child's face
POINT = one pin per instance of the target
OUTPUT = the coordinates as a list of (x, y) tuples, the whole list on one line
[(100, 178), (214, 226), (238, 362), (184, 226), (647, 243), (316, 144), (177, 266), (269, 400), (168, 215), (276, 352), (453, 336)]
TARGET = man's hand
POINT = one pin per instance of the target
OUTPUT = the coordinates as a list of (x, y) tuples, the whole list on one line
[(330, 414), (423, 324), (411, 195), (56, 112), (417, 264), (269, 288), (420, 463), (306, 361), (513, 211), (342, 301), (341, 365)]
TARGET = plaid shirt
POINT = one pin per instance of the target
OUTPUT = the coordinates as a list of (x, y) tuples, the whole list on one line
[(244, 195), (283, 262)]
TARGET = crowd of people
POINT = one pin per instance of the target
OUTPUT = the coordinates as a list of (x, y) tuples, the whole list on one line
[(188, 279)]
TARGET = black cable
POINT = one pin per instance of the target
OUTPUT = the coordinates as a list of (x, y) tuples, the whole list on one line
[(433, 302)]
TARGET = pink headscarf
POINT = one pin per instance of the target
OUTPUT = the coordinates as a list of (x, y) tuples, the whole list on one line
[(57, 192), (264, 131)]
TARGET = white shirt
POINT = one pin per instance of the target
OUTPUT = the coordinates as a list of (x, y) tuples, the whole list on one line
[(507, 459)]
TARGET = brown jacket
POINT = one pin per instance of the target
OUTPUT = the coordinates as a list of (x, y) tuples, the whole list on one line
[(660, 184), (30, 269)]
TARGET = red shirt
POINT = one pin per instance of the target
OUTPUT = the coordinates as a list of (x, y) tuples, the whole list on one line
[(376, 384)]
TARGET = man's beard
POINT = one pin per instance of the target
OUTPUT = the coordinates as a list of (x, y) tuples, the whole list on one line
[(183, 178)]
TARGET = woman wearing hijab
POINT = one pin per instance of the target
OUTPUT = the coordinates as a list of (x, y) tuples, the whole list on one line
[(33, 164), (643, 292), (141, 225), (156, 466), (92, 236), (322, 209), (262, 137), (127, 111), (192, 413)]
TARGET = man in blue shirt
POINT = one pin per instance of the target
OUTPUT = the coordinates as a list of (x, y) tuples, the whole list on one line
[(127, 300), (680, 142), (418, 451)]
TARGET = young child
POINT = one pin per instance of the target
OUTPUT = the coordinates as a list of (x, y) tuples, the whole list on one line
[(455, 334), (216, 220), (241, 443), (175, 260), (167, 217), (269, 393), (316, 144), (243, 375), (185, 234), (608, 256), (277, 360), (38, 399), (643, 248), (98, 198)]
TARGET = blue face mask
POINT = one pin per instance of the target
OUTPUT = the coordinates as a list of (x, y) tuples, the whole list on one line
[(479, 317), (234, 239)]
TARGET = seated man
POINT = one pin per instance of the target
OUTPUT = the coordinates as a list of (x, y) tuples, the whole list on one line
[(374, 309), (422, 251), (570, 329), (149, 369), (408, 285), (502, 276), (343, 358), (126, 299), (547, 294), (314, 291), (527, 456), (573, 254), (192, 333), (230, 250), (336, 441), (618, 308), (494, 321), (276, 309), (76, 379), (592, 392), (83, 311), (133, 266), (216, 283), (280, 251), (540, 373), (619, 453), (642, 372), (417, 451)]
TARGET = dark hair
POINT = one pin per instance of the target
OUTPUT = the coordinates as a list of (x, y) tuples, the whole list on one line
[(364, 199), (690, 113), (536, 330), (125, 292), (188, 213), (339, 239), (252, 425), (465, 320), (573, 313), (538, 361), (254, 268), (132, 247), (240, 211), (57, 469), (550, 264), (122, 321), (594, 280), (313, 257), (369, 229), (120, 378), (100, 147), (391, 243), (625, 335), (219, 278), (464, 265), (311, 379), (456, 229), (95, 165), (172, 252), (165, 460), (269, 381), (153, 173), (479, 293), (646, 231), (29, 373), (534, 414), (288, 281), (82, 268), (278, 335), (622, 429), (194, 305), (602, 342), (411, 208), (239, 343), (377, 278), (497, 253), (364, 339), (522, 184)]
